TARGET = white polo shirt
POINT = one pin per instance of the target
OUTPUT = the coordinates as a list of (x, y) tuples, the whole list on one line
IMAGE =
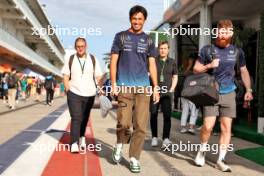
[(82, 83)]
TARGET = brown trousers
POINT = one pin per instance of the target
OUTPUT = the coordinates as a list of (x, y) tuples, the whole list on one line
[(12, 97), (133, 109)]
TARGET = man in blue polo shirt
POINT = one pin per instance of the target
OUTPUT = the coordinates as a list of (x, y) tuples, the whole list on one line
[(132, 57), (227, 56)]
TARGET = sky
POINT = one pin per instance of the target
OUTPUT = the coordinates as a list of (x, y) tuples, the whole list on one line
[(98, 19)]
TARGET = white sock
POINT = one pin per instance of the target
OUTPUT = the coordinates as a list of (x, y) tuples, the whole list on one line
[(133, 160), (203, 147), (119, 146), (222, 154)]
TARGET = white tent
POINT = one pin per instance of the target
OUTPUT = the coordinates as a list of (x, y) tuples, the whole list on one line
[(29, 72)]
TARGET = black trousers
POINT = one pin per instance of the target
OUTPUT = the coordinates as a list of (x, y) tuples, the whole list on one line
[(79, 108), (49, 94), (165, 103), (52, 95)]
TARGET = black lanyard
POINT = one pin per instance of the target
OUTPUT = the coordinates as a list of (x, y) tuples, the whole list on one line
[(82, 66)]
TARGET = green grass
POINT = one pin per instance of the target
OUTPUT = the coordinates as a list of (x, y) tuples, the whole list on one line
[(253, 154)]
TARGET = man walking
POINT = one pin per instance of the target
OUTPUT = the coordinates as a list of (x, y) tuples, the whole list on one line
[(13, 86), (223, 65), (49, 86), (38, 88), (167, 79), (131, 53), (80, 73)]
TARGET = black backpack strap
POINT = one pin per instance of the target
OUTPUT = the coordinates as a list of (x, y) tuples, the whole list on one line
[(209, 56), (94, 62), (123, 36), (210, 53), (70, 63), (237, 54), (212, 48), (149, 41), (209, 50)]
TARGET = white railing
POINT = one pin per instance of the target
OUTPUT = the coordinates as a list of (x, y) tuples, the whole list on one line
[(10, 42)]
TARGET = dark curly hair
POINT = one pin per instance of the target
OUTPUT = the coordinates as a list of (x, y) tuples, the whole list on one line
[(136, 9)]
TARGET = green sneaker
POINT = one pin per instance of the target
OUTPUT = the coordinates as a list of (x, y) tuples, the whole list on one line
[(134, 165), (117, 153)]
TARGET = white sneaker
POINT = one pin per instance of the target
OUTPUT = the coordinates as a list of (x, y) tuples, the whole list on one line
[(117, 153), (191, 130), (199, 128), (183, 130), (221, 165), (154, 142), (82, 142), (200, 159), (134, 165), (74, 148), (166, 142)]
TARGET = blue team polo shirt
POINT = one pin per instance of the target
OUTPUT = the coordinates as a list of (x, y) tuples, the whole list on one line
[(134, 51), (225, 72)]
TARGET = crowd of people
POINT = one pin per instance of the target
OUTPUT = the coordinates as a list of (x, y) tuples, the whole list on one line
[(16, 86)]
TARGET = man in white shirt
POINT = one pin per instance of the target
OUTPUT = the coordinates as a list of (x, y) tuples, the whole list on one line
[(80, 73)]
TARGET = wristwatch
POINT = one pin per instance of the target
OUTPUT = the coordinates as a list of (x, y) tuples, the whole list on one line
[(249, 90)]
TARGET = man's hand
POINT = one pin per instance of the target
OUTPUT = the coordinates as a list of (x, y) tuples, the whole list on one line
[(113, 71), (214, 63), (101, 92), (171, 90), (66, 79), (201, 68), (153, 76), (156, 96), (248, 96), (114, 90), (247, 83)]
